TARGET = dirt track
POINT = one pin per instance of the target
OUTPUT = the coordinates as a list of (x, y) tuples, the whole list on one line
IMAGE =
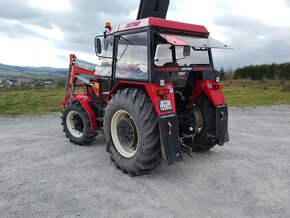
[(43, 175)]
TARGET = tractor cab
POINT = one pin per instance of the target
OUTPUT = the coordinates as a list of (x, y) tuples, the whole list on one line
[(154, 49)]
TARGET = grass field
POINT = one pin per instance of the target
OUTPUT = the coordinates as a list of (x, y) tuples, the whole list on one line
[(251, 97), (30, 102), (43, 101)]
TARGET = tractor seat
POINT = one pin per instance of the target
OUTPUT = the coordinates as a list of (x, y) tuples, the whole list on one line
[(171, 75), (167, 76), (170, 64)]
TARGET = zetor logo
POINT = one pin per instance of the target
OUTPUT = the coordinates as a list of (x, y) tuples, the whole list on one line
[(135, 24), (186, 68)]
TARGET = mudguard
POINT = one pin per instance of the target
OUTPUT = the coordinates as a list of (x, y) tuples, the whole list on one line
[(169, 138), (207, 86), (222, 123), (85, 102)]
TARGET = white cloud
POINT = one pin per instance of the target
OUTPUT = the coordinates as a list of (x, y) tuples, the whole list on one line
[(254, 28), (29, 51), (53, 33), (271, 12), (51, 5), (44, 32)]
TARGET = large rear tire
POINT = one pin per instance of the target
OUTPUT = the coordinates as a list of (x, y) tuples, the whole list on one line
[(76, 124), (132, 132), (205, 139)]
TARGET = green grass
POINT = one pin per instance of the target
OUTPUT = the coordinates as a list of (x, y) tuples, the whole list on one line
[(251, 97), (43, 101), (30, 102)]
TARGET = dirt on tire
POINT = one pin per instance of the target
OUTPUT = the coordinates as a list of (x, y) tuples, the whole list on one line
[(42, 174)]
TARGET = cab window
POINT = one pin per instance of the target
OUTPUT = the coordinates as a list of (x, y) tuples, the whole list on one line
[(132, 57)]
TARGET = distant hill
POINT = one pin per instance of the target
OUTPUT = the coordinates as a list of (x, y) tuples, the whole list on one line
[(31, 73), (36, 70)]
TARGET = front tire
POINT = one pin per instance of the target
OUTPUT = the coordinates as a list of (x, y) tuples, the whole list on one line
[(76, 124), (132, 132)]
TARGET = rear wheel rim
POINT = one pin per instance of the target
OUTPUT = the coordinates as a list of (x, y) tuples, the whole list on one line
[(124, 133), (196, 112), (75, 124)]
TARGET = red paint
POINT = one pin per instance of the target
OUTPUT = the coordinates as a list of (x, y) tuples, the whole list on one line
[(208, 87), (201, 68), (165, 24), (175, 41), (85, 100), (168, 24), (134, 24), (73, 70), (166, 69), (181, 69), (63, 103), (95, 88), (152, 90), (126, 84)]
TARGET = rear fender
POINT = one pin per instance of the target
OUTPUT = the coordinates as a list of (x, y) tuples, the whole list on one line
[(85, 102), (215, 96), (151, 90), (155, 98)]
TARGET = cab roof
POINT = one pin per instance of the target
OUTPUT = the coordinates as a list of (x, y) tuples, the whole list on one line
[(161, 23)]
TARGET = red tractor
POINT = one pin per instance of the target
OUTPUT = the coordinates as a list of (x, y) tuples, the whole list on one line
[(152, 94)]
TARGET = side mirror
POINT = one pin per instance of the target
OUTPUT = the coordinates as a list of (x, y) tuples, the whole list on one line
[(98, 46), (186, 51)]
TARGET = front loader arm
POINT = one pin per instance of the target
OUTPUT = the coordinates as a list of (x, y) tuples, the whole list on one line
[(76, 67)]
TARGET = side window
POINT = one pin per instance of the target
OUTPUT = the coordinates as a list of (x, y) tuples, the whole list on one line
[(132, 57), (163, 54), (104, 65)]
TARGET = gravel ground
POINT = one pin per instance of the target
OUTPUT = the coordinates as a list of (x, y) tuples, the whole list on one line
[(44, 175)]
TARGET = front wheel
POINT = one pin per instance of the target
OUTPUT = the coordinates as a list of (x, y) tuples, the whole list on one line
[(76, 124), (132, 132)]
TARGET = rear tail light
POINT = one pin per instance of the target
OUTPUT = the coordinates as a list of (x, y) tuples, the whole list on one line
[(163, 92), (218, 86)]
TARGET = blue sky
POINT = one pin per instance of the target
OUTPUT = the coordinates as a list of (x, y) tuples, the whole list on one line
[(43, 33)]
